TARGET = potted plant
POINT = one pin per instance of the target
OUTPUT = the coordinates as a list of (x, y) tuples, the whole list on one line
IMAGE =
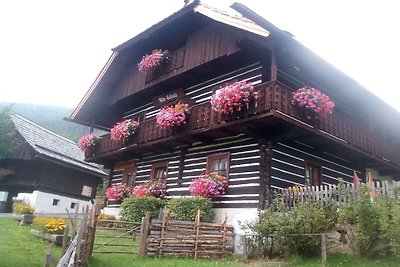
[(156, 60), (122, 130), (209, 185), (23, 212), (149, 188), (233, 97), (49, 228), (312, 102), (173, 115), (87, 143)]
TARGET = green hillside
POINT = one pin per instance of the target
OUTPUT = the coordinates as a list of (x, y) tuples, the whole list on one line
[(50, 117)]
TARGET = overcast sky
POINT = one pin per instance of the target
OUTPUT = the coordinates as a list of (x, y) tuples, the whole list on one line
[(51, 51)]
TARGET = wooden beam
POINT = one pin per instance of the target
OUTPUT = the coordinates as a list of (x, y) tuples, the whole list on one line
[(265, 150), (274, 65), (181, 166)]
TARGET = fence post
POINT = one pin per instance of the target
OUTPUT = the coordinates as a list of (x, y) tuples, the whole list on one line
[(144, 234), (65, 240), (244, 241), (323, 249)]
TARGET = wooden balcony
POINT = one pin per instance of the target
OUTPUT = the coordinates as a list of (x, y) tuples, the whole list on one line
[(274, 103)]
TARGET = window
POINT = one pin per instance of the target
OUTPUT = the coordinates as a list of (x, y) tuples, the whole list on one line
[(56, 202), (73, 204), (125, 172), (218, 163), (159, 172), (313, 174)]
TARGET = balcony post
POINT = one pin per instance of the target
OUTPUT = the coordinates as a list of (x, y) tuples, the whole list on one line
[(265, 150)]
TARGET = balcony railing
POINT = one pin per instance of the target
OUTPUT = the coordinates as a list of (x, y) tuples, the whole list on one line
[(274, 100)]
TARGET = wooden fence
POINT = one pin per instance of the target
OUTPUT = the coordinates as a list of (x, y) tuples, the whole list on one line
[(339, 193), (186, 238)]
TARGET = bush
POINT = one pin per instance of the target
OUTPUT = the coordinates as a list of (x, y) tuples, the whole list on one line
[(185, 208), (22, 208), (49, 225), (134, 208), (371, 227), (280, 226)]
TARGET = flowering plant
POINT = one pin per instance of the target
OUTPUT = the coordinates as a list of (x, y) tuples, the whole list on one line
[(156, 59), (314, 100), (173, 115), (208, 185), (149, 188), (50, 225), (88, 141), (233, 97), (122, 130), (118, 192), (23, 208)]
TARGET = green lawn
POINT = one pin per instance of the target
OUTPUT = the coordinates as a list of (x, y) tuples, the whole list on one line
[(19, 248)]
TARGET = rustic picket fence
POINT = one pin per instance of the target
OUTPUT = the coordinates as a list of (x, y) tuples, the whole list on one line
[(79, 250), (187, 238), (338, 193)]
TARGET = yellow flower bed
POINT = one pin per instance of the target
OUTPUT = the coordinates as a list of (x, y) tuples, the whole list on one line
[(23, 208), (50, 225), (105, 217)]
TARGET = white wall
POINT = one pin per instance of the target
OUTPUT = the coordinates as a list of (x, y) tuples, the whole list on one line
[(3, 196), (43, 202)]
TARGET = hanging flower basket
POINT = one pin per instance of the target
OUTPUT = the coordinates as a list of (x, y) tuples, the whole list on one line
[(173, 116), (312, 102), (154, 61), (122, 130), (208, 185), (150, 188), (118, 192), (233, 97), (88, 142)]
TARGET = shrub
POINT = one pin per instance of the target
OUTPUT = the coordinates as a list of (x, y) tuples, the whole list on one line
[(371, 227), (22, 208), (134, 208), (49, 225), (185, 208), (282, 226)]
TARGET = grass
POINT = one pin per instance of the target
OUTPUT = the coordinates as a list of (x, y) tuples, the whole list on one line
[(18, 247)]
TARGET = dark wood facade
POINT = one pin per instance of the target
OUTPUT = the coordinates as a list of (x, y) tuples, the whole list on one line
[(271, 145)]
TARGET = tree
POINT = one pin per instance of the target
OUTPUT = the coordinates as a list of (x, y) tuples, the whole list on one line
[(7, 131)]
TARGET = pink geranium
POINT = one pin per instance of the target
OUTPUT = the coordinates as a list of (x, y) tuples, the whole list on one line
[(118, 192), (233, 97), (87, 141), (173, 116), (314, 100), (208, 185), (149, 188), (156, 59), (122, 130)]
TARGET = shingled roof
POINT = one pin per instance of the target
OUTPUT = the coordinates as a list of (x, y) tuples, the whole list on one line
[(52, 146)]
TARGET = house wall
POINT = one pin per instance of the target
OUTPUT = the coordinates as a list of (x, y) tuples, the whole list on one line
[(287, 169), (43, 202), (209, 43)]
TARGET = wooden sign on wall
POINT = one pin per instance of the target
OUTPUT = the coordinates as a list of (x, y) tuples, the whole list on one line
[(168, 98)]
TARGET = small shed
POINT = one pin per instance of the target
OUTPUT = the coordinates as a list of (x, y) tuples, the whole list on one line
[(49, 165)]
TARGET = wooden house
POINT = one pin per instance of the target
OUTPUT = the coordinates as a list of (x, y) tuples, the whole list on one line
[(269, 145), (49, 165)]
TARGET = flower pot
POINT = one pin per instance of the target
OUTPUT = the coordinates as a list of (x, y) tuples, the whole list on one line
[(27, 219)]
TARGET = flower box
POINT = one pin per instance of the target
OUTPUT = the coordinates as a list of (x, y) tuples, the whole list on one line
[(312, 103), (209, 185), (155, 61), (121, 131), (234, 97), (57, 239), (24, 218), (172, 116)]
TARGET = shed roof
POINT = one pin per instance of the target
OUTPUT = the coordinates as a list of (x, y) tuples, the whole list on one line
[(51, 145)]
